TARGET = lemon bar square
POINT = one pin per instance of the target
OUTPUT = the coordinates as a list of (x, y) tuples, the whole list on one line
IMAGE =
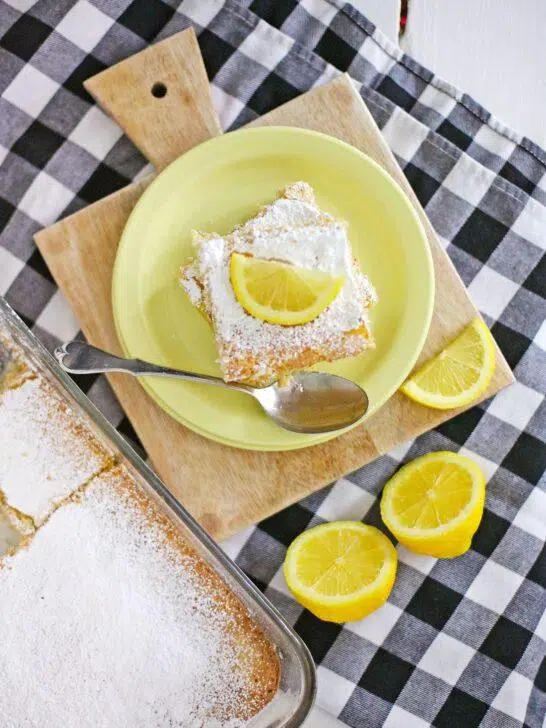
[(45, 452), (292, 229)]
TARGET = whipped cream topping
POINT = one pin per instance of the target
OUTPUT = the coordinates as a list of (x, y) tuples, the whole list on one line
[(322, 247)]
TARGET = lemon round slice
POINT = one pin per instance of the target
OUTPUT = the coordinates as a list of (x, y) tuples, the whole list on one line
[(341, 571), (459, 374), (280, 293), (434, 504)]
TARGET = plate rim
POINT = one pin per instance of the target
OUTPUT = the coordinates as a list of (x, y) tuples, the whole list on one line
[(306, 440)]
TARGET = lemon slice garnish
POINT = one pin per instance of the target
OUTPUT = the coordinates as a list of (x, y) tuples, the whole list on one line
[(280, 293), (341, 571), (459, 374), (434, 504)]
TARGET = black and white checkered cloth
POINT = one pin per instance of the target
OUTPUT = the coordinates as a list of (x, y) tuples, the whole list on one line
[(460, 643)]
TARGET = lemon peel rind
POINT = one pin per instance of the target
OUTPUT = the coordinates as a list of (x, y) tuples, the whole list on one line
[(269, 315), (422, 396), (343, 607), (462, 527)]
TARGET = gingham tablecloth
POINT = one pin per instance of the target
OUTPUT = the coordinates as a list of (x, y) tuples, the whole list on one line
[(460, 643)]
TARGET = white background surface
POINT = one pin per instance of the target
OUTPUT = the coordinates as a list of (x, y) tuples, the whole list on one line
[(385, 14), (495, 50)]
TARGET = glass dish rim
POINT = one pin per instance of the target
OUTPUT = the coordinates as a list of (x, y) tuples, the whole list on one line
[(226, 564)]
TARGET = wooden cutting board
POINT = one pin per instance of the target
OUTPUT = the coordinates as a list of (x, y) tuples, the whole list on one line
[(225, 488)]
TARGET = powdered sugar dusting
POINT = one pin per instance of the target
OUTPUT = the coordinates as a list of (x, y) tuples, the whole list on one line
[(44, 453), (105, 623), (292, 229)]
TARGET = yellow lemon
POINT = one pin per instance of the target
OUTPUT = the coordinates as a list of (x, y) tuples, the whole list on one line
[(459, 374), (341, 571), (434, 504), (280, 293)]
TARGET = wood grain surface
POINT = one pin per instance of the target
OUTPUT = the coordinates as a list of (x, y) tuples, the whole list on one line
[(225, 488), (160, 97)]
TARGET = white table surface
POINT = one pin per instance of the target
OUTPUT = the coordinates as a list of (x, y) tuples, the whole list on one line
[(495, 50)]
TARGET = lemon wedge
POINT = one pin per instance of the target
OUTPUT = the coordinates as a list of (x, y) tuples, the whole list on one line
[(280, 293), (459, 374), (434, 504), (341, 571)]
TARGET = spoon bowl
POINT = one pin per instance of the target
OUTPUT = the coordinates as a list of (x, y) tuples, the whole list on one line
[(305, 402), (313, 402)]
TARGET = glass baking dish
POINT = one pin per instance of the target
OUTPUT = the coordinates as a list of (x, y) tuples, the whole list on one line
[(296, 692)]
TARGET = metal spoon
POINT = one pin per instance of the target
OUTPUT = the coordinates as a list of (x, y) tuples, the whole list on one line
[(308, 402)]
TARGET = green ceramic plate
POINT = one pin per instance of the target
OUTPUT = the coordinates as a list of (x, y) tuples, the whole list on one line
[(222, 183)]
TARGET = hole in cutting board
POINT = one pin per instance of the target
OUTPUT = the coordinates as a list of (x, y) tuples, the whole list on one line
[(159, 90)]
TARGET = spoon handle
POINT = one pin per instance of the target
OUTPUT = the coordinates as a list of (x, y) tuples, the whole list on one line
[(77, 357)]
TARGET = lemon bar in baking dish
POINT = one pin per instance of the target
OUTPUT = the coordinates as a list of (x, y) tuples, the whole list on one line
[(115, 621), (108, 616), (45, 452), (296, 253)]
